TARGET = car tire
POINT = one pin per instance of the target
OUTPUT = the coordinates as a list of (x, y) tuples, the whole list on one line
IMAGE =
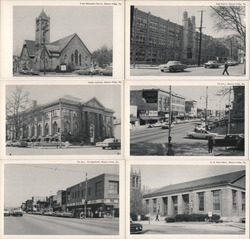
[(171, 69), (103, 147), (162, 70)]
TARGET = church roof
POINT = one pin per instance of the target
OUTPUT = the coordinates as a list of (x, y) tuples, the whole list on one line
[(70, 97), (30, 47), (62, 43), (43, 15), (218, 180)]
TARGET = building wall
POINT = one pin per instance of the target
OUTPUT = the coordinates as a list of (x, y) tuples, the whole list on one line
[(191, 203)]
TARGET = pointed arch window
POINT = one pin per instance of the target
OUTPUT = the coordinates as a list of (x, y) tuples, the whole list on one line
[(80, 59), (76, 57)]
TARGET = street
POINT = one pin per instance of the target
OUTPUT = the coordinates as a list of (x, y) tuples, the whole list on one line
[(44, 225), (195, 71), (192, 228), (85, 150), (147, 141)]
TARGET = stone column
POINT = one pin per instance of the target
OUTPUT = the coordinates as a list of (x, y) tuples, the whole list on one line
[(180, 204), (170, 206), (42, 127), (71, 122), (50, 123), (35, 129), (29, 128)]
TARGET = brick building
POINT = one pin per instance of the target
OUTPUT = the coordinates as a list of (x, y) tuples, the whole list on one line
[(68, 117), (154, 40), (153, 105), (223, 195), (100, 194), (65, 54)]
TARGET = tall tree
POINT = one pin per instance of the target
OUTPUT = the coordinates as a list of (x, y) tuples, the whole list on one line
[(19, 113), (103, 56), (230, 18)]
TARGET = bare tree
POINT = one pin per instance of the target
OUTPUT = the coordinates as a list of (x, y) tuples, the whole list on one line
[(230, 18), (19, 113)]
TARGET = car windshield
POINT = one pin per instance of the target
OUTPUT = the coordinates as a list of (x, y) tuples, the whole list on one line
[(109, 140)]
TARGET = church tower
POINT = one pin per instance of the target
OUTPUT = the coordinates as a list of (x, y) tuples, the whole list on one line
[(42, 24)]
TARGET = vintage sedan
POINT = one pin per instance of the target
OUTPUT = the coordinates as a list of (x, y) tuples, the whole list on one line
[(135, 227), (166, 126), (108, 71), (87, 71), (172, 66), (234, 140), (6, 213), (112, 143), (201, 134), (16, 143), (17, 212), (211, 64)]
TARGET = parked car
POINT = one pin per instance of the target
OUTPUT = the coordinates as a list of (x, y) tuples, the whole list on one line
[(232, 63), (108, 71), (87, 71), (199, 126), (155, 125), (17, 212), (112, 143), (135, 227), (211, 64), (16, 143), (201, 134), (172, 66), (166, 126), (235, 140), (6, 213)]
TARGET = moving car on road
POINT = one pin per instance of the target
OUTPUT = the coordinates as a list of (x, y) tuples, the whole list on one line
[(17, 212), (112, 143), (6, 213), (172, 66), (87, 71), (155, 125), (135, 227), (166, 126), (201, 134), (211, 64)]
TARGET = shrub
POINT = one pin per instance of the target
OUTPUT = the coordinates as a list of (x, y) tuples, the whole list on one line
[(170, 219)]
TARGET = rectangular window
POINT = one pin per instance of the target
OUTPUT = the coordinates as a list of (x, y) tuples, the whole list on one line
[(201, 201), (175, 202), (243, 205), (113, 187), (78, 193), (234, 199), (68, 196), (216, 200), (98, 188), (154, 204), (89, 191)]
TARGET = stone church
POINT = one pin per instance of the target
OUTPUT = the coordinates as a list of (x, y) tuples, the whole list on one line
[(66, 54)]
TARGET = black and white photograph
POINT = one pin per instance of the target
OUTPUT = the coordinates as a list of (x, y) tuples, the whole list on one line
[(186, 40), (187, 120), (188, 199), (61, 199), (63, 119), (63, 41)]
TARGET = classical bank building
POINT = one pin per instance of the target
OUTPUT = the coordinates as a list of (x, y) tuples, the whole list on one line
[(68, 118), (223, 195)]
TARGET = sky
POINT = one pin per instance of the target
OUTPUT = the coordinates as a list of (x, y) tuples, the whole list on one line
[(94, 25), (197, 93), (23, 181), (175, 14), (173, 174), (108, 95)]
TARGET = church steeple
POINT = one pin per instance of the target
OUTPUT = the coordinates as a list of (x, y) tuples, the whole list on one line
[(42, 24)]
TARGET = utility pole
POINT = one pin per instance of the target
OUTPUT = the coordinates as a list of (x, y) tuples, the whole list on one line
[(229, 106), (200, 29), (170, 115), (206, 121), (86, 193)]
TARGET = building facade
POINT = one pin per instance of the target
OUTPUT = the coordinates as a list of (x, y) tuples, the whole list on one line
[(154, 40), (100, 195), (153, 105), (66, 54), (223, 195), (191, 108), (68, 117)]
